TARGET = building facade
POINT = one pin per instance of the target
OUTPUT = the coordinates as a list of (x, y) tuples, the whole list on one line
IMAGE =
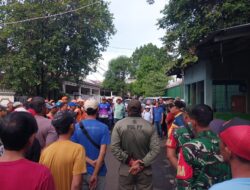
[(220, 77)]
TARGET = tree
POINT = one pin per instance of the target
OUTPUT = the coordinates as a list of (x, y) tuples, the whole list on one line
[(188, 21), (36, 56), (116, 74), (149, 63)]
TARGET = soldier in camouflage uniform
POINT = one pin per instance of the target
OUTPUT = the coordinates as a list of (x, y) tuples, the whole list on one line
[(200, 164)]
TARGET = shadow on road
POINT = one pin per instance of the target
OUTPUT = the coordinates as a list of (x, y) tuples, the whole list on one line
[(163, 173)]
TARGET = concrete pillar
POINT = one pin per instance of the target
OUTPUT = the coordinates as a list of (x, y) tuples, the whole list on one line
[(64, 88), (80, 91)]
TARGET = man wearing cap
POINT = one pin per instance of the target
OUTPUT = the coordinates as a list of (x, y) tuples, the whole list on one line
[(94, 136), (119, 110), (200, 164), (51, 109), (65, 159), (135, 144), (18, 106), (147, 114), (80, 110), (72, 106), (234, 147)]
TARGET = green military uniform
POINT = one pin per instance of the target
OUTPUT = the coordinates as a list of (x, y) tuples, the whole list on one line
[(183, 135), (202, 154)]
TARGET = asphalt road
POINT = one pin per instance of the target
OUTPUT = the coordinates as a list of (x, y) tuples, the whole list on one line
[(163, 173)]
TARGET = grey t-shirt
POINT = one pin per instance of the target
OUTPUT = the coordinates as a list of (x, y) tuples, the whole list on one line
[(46, 133)]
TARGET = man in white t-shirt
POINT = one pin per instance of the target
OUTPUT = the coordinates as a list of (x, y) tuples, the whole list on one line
[(147, 114)]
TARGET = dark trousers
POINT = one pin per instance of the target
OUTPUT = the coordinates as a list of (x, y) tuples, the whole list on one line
[(104, 120)]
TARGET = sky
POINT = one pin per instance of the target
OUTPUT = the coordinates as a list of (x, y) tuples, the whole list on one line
[(135, 22)]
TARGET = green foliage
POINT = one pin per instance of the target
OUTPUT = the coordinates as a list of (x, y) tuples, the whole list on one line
[(38, 55), (149, 63), (189, 21), (117, 72)]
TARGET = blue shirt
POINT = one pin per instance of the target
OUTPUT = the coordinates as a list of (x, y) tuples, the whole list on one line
[(99, 133), (179, 120), (157, 113), (233, 184), (104, 110)]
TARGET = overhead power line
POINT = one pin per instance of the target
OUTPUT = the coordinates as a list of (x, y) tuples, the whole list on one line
[(49, 16)]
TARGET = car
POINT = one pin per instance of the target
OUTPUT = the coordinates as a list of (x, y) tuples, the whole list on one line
[(151, 99)]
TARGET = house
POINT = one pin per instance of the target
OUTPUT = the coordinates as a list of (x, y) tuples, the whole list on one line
[(84, 89), (6, 96), (221, 76)]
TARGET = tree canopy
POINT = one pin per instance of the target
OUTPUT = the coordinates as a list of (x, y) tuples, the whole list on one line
[(149, 63), (116, 74), (146, 67), (187, 22), (37, 55)]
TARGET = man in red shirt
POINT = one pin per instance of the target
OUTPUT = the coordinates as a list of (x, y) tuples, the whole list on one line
[(17, 134)]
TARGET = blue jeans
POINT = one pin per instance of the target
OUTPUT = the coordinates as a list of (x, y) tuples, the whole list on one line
[(157, 125)]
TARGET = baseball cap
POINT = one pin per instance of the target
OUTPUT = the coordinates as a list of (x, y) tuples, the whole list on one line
[(215, 125), (63, 118), (59, 104), (235, 134), (49, 106), (80, 100), (16, 104), (90, 103), (72, 104), (119, 98)]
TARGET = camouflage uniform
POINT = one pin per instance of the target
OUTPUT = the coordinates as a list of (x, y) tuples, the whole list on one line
[(183, 135), (202, 156), (178, 137)]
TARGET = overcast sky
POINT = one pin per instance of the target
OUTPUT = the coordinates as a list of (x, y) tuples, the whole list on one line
[(135, 23)]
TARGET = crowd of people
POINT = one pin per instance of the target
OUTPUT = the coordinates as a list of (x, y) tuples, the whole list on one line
[(63, 144)]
